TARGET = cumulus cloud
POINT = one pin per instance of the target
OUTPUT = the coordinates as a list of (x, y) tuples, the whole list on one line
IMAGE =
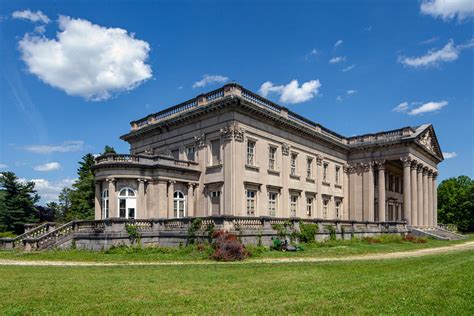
[(338, 43), (450, 52), (68, 146), (448, 9), (3, 166), (210, 79), (449, 155), (402, 107), (348, 68), (37, 16), (50, 166), (86, 59), (49, 190), (428, 107), (292, 92), (338, 59), (349, 92)]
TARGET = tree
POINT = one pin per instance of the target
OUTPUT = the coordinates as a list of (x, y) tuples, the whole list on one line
[(83, 192), (64, 204), (55, 210), (17, 205), (456, 202), (108, 150)]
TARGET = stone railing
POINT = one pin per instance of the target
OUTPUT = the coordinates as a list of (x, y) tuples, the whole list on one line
[(49, 239), (380, 137), (145, 160), (18, 242)]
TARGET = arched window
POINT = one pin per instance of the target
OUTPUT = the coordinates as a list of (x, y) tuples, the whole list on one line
[(179, 204), (127, 203), (105, 204)]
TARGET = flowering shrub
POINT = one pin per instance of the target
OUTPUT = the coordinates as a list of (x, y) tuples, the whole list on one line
[(227, 247)]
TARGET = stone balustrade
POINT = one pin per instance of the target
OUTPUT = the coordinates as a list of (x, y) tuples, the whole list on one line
[(147, 160)]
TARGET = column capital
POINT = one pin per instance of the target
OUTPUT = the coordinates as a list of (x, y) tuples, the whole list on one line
[(171, 181), (435, 175), (425, 171), (379, 164), (113, 180), (192, 184), (406, 161), (142, 180), (319, 160), (366, 166), (414, 164), (419, 168)]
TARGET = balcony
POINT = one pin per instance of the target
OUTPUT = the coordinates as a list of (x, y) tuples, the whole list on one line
[(144, 161)]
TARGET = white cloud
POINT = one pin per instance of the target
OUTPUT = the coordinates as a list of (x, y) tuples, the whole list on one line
[(349, 92), (338, 43), (292, 92), (69, 146), (448, 53), (49, 190), (50, 166), (210, 79), (338, 59), (339, 98), (3, 166), (428, 107), (448, 9), (87, 60), (428, 41), (449, 155), (348, 68), (37, 16), (402, 107)]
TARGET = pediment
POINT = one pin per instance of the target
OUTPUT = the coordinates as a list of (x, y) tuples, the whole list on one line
[(427, 139)]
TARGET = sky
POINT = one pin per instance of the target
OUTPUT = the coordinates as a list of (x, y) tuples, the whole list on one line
[(73, 74)]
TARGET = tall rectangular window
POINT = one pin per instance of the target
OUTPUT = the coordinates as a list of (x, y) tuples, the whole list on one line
[(293, 205), (309, 167), (325, 171), (215, 202), (309, 206), (250, 153), (338, 209), (272, 203), (325, 208), (216, 152), (293, 157), (251, 197), (338, 175), (272, 158), (190, 151)]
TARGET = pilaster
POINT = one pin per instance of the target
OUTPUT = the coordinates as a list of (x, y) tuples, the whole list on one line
[(171, 184), (113, 209), (97, 201)]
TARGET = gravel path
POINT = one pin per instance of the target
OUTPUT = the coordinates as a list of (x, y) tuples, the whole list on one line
[(380, 256)]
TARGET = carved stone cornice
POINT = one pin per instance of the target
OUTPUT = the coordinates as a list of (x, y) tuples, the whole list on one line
[(285, 149), (233, 131), (200, 140)]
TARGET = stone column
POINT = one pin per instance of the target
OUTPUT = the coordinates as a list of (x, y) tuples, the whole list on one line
[(430, 198), (345, 188), (425, 197), (406, 189), (113, 209), (414, 191), (171, 198), (97, 201), (190, 199), (369, 196), (419, 194), (141, 205), (319, 185), (381, 168), (435, 200)]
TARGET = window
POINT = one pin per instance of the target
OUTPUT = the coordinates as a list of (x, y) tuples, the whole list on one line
[(105, 204), (127, 203), (178, 204), (272, 203), (215, 202), (216, 152), (190, 151), (251, 197), (325, 208), (338, 175), (325, 172), (309, 206), (309, 167), (293, 205), (338, 209), (175, 154), (250, 153), (272, 158), (294, 156)]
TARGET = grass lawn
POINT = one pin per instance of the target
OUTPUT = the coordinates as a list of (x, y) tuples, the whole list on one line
[(325, 249), (441, 284)]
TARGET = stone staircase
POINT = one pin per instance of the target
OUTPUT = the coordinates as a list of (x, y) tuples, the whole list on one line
[(437, 233), (19, 241)]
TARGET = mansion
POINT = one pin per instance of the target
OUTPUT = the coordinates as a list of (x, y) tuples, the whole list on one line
[(233, 152)]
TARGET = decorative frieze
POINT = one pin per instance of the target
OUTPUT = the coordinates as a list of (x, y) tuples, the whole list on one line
[(233, 131), (427, 141)]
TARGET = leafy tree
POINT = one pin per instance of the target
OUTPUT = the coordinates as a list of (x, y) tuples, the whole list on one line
[(108, 150), (17, 204), (456, 202), (83, 192), (64, 204)]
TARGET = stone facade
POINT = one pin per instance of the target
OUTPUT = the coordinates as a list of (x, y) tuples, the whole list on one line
[(231, 152)]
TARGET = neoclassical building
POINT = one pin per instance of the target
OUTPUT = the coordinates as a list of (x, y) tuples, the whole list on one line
[(233, 152)]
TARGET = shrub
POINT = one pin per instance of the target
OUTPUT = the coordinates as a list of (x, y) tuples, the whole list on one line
[(227, 247), (195, 226), (132, 232), (7, 235), (414, 239), (307, 232), (332, 232)]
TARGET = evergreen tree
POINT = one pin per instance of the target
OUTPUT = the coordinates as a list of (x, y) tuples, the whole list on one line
[(83, 192), (17, 205), (108, 150), (55, 210), (64, 204)]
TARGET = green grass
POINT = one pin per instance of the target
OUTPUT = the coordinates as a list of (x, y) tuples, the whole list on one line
[(442, 284), (324, 249)]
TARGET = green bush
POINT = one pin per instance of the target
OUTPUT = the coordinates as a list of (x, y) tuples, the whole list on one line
[(332, 232), (7, 235), (307, 232)]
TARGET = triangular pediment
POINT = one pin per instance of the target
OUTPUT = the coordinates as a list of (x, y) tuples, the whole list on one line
[(427, 139)]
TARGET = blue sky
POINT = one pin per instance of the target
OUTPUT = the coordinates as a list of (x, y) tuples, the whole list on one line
[(70, 84)]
